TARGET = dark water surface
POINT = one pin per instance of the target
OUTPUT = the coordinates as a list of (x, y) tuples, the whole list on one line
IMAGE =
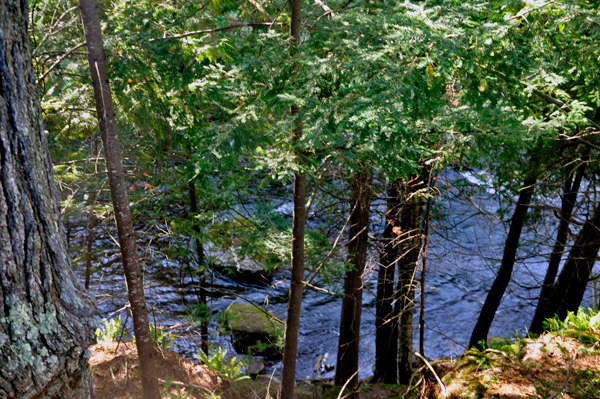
[(465, 249)]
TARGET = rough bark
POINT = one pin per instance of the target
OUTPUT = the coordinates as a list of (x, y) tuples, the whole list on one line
[(347, 359), (500, 284), (575, 275), (569, 197), (385, 360), (292, 324), (201, 264), (46, 318), (116, 178)]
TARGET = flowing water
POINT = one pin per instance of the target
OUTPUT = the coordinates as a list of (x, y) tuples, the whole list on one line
[(465, 247)]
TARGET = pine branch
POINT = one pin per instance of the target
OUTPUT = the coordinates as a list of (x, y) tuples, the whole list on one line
[(545, 97), (206, 31)]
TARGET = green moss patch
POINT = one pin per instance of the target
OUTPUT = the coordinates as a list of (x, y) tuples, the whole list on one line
[(255, 330)]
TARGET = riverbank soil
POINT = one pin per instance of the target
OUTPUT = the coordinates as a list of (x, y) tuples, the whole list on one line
[(116, 373), (558, 365)]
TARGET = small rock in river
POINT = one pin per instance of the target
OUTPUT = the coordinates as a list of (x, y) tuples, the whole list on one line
[(318, 361), (255, 367)]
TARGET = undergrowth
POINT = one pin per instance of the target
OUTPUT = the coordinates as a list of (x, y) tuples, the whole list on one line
[(565, 363), (584, 326), (215, 361)]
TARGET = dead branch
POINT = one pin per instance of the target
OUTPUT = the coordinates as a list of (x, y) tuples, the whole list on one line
[(64, 14), (68, 53)]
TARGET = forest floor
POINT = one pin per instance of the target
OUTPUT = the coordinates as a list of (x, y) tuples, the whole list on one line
[(116, 374), (561, 364), (564, 364)]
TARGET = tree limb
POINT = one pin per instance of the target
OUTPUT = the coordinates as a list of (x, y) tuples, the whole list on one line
[(64, 14), (68, 53), (260, 8), (546, 97), (444, 390), (325, 7), (205, 31), (528, 10)]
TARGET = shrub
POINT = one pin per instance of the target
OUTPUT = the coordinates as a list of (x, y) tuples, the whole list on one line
[(582, 326), (230, 370), (109, 330), (584, 320), (160, 337)]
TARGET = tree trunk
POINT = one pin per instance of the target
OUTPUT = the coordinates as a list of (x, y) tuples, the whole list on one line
[(120, 199), (46, 318), (425, 236), (292, 324), (201, 265), (575, 275), (410, 218), (385, 360), (347, 359), (500, 284), (569, 198)]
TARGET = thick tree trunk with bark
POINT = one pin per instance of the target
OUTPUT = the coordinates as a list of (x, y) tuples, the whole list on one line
[(120, 199), (201, 264), (46, 318), (292, 323), (410, 221), (500, 284), (569, 198), (385, 360), (360, 204), (575, 275)]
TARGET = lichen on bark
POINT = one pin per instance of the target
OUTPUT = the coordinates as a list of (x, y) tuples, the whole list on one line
[(46, 319)]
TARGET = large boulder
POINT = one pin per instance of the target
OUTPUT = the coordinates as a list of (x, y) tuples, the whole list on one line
[(230, 264), (255, 330)]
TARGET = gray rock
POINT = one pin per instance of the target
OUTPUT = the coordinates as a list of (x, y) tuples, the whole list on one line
[(255, 367)]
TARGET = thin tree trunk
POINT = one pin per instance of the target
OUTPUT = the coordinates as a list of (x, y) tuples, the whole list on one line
[(385, 360), (46, 317), (292, 324), (500, 284), (120, 199), (569, 198), (347, 359), (575, 275), (201, 264)]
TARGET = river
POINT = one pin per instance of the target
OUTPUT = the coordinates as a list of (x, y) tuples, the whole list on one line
[(464, 251)]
